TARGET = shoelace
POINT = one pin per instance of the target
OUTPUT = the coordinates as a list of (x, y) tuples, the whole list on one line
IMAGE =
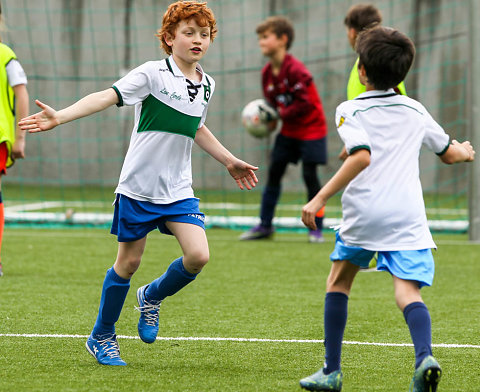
[(150, 311), (110, 347)]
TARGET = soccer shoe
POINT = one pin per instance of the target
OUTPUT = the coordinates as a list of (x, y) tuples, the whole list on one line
[(316, 236), (320, 381), (148, 322), (426, 376), (105, 349), (257, 233)]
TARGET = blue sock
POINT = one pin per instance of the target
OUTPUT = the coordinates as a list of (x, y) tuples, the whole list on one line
[(418, 320), (114, 291), (175, 278), (269, 202), (335, 320)]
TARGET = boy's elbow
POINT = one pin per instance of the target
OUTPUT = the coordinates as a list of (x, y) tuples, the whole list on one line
[(363, 158)]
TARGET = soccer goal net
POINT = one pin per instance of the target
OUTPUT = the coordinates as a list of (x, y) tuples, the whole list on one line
[(71, 48)]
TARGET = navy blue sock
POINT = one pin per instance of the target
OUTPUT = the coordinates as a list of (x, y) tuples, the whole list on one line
[(335, 320), (269, 202), (418, 320), (319, 222), (175, 278), (114, 291)]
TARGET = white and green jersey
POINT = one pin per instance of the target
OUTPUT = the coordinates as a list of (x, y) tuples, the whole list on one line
[(157, 167), (383, 207)]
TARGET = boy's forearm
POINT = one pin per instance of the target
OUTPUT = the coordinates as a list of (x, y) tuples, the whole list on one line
[(351, 167), (210, 144), (21, 108), (89, 104)]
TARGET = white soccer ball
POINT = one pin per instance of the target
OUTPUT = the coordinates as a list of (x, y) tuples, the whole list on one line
[(256, 116)]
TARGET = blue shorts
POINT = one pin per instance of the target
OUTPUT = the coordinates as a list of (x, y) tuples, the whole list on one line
[(287, 149), (134, 219), (417, 265)]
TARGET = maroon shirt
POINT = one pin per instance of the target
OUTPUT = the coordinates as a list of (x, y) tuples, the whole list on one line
[(293, 93)]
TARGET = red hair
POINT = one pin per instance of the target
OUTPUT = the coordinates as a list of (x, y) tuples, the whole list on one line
[(186, 10)]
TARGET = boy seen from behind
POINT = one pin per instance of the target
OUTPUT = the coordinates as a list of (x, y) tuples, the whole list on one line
[(383, 207), (171, 98), (288, 86)]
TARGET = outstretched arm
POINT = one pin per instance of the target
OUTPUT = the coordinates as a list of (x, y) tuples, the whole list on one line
[(49, 118), (350, 168), (458, 152), (242, 172)]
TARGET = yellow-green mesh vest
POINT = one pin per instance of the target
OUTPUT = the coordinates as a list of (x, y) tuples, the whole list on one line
[(355, 88), (7, 102)]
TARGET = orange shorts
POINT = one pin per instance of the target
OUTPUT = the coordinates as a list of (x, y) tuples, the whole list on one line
[(3, 158)]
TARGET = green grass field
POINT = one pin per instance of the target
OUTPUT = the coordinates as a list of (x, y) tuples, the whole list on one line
[(270, 294)]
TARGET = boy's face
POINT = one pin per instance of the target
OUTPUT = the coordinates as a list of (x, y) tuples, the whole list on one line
[(270, 44), (191, 41)]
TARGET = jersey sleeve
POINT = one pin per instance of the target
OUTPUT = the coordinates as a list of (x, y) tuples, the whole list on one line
[(435, 137), (15, 73), (351, 131), (134, 87)]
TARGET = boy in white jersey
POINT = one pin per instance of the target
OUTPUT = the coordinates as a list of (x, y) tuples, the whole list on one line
[(171, 98), (383, 208)]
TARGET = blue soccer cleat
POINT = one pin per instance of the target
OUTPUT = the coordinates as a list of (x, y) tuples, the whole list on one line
[(105, 349), (426, 376), (148, 322), (320, 381)]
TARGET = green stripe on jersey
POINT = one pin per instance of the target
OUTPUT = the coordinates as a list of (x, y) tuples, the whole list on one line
[(386, 106), (159, 117)]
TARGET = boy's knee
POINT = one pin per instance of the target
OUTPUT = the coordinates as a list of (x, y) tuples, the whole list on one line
[(196, 260), (341, 277), (127, 267)]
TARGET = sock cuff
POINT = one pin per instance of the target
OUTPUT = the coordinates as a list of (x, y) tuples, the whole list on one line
[(336, 295), (413, 306), (115, 277), (178, 265)]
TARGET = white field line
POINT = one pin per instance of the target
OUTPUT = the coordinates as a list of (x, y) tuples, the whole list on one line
[(242, 340)]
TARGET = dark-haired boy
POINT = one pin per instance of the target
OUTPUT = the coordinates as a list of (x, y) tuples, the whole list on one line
[(383, 207), (288, 86), (359, 18)]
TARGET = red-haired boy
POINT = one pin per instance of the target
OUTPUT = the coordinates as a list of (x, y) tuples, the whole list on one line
[(171, 99)]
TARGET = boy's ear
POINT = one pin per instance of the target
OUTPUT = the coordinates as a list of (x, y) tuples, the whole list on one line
[(284, 39), (168, 39), (362, 74)]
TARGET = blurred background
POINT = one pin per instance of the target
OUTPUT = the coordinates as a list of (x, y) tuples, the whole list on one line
[(70, 48)]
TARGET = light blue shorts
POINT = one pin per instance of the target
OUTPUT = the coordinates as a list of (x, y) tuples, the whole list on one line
[(417, 265), (134, 219)]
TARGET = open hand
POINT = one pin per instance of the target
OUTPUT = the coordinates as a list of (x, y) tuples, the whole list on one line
[(243, 173), (41, 121)]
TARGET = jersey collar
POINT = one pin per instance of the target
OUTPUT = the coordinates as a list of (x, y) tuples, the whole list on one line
[(173, 68), (377, 94)]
